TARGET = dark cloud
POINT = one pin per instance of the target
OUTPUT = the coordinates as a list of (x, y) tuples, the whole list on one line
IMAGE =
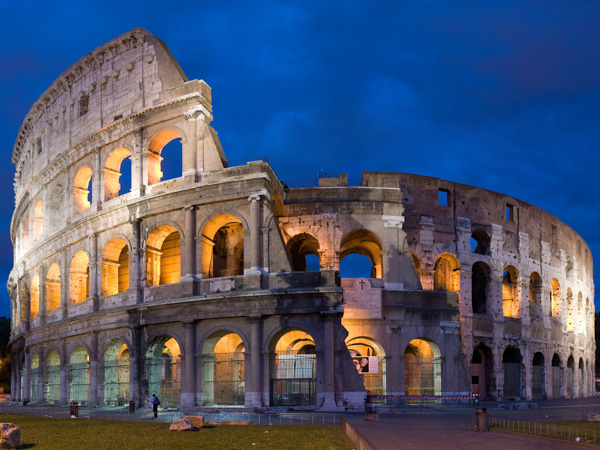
[(504, 96)]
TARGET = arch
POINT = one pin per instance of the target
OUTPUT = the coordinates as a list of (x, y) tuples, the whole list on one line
[(417, 263), (480, 288), (480, 242), (81, 189), (557, 379), (53, 288), (112, 172), (366, 243), (34, 378), (447, 273), (115, 267), (223, 246), (538, 382), (510, 295), (116, 373), (554, 298), (581, 378), (299, 247), (482, 372), (422, 368), (163, 256), (79, 278), (368, 356), (293, 369), (535, 292), (34, 296), (511, 361), (163, 369), (570, 377), (53, 376), (223, 369), (158, 142), (79, 375), (38, 220)]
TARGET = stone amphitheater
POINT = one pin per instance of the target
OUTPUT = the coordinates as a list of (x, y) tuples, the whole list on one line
[(221, 285)]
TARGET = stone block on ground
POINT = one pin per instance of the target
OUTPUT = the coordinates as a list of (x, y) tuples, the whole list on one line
[(182, 425), (10, 436), (593, 417), (197, 421)]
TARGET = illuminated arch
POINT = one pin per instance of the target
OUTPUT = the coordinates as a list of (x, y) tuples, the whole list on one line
[(115, 267), (422, 368), (53, 288), (223, 247), (299, 247), (34, 296), (112, 172), (38, 220), (116, 373), (368, 356), (81, 189), (154, 153), (163, 256), (447, 274), (79, 375), (79, 278), (510, 295), (163, 369), (366, 243)]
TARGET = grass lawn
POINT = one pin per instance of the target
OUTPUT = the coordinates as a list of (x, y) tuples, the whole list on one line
[(588, 432), (49, 433)]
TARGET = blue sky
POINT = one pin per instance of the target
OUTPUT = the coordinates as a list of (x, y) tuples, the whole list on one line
[(501, 95)]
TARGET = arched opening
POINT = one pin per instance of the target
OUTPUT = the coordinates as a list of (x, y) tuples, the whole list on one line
[(554, 298), (223, 370), (511, 360), (79, 278), (535, 295), (116, 373), (362, 242), (304, 248), (79, 375), (570, 311), (556, 377), (480, 288), (369, 358), (480, 242), (293, 369), (53, 377), (35, 378), (115, 267), (164, 157), (482, 372), (422, 368), (510, 295), (570, 377), (113, 171), (223, 247), (53, 288), (581, 378), (82, 190), (538, 382), (356, 266), (447, 274), (38, 220), (163, 370), (417, 264), (34, 296), (163, 256)]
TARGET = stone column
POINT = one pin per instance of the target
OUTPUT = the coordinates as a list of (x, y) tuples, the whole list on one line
[(42, 375), (254, 381), (64, 283), (95, 271), (25, 309), (522, 299), (64, 373), (188, 391), (255, 234), (393, 363), (93, 392), (17, 377), (188, 267), (42, 293), (391, 255), (135, 275), (135, 366), (328, 360), (189, 147), (97, 191), (138, 181), (26, 376), (199, 361)]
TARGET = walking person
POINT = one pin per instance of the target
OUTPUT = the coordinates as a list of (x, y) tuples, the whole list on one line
[(155, 402)]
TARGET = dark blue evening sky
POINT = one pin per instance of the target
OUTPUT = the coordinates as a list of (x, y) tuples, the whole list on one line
[(501, 95)]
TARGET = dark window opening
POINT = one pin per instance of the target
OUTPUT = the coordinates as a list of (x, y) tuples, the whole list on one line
[(443, 197), (510, 212), (480, 242), (84, 105)]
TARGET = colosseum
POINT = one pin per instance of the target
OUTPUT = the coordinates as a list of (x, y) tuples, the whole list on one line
[(221, 286)]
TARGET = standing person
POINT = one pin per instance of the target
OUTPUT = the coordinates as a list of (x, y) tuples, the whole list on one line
[(155, 402)]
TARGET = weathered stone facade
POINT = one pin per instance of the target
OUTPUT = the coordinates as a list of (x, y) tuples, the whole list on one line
[(196, 288)]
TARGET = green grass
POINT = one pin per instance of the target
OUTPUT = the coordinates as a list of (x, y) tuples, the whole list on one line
[(50, 433)]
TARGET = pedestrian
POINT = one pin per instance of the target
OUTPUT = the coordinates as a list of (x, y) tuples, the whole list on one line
[(155, 402)]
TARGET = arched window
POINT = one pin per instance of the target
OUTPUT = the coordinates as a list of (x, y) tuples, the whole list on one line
[(366, 243), (114, 168), (79, 278), (82, 188), (510, 296), (38, 220), (538, 383), (163, 256), (557, 381), (116, 373), (79, 375), (480, 242), (34, 296), (447, 274), (369, 359), (115, 267), (223, 247), (512, 372), (301, 248), (163, 369), (480, 288), (535, 294), (53, 288), (223, 370), (554, 298), (422, 368), (161, 149)]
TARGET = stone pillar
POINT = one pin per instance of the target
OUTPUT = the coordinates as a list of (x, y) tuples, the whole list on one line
[(188, 267), (135, 273), (95, 272), (328, 360), (64, 373), (199, 361), (17, 376), (254, 381), (26, 376), (97, 191), (522, 300), (138, 181), (190, 147), (42, 375), (42, 293), (255, 235), (93, 391), (188, 391), (392, 362), (135, 366), (390, 255), (25, 302), (64, 283)]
